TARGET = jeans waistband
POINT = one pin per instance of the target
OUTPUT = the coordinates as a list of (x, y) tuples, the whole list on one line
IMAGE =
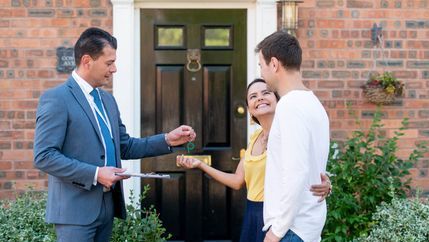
[(253, 204)]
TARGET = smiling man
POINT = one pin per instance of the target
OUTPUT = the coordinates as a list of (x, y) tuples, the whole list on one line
[(80, 141), (298, 146)]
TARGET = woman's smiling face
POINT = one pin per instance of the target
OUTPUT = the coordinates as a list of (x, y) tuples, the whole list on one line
[(260, 100)]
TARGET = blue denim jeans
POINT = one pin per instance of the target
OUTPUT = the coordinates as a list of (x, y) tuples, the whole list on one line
[(253, 223), (290, 236)]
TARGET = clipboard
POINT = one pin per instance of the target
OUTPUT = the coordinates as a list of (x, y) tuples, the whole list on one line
[(144, 175)]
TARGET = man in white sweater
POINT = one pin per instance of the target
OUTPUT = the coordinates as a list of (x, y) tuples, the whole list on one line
[(298, 146)]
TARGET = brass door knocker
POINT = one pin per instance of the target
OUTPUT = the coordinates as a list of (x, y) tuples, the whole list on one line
[(194, 58)]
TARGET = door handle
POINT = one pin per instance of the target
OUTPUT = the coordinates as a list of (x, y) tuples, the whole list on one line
[(242, 152), (240, 110)]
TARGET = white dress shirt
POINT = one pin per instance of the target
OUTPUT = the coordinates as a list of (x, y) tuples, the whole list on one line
[(298, 147)]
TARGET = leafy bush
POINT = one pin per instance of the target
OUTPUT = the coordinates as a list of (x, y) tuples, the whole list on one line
[(23, 220), (364, 170), (401, 220), (140, 225)]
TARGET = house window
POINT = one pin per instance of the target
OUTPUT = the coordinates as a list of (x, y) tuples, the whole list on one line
[(169, 37), (217, 37)]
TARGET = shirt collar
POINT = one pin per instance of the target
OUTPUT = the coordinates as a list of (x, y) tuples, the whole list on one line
[(84, 85)]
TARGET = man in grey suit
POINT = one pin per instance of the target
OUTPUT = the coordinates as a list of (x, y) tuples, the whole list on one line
[(80, 141)]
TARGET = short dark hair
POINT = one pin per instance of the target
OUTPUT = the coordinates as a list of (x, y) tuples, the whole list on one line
[(247, 92), (282, 46), (91, 42)]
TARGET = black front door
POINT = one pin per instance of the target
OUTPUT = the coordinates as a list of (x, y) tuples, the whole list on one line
[(193, 65)]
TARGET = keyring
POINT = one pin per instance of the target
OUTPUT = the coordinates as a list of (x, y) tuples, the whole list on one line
[(190, 146)]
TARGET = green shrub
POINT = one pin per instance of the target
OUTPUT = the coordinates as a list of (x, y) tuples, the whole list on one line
[(365, 168), (23, 220), (140, 225), (401, 220)]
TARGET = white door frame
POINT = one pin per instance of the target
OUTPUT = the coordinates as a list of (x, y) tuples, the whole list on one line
[(261, 21)]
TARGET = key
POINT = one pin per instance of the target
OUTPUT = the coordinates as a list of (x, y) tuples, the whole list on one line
[(190, 146)]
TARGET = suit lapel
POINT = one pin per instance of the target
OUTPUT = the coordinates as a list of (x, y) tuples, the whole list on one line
[(81, 99)]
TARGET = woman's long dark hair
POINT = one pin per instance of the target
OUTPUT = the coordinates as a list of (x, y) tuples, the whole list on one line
[(247, 92)]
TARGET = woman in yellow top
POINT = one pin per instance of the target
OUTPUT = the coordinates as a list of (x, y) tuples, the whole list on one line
[(261, 104)]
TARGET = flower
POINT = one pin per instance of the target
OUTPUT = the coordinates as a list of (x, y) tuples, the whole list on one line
[(383, 88), (387, 82)]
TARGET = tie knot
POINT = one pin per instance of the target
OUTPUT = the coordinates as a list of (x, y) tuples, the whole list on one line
[(97, 100), (94, 94)]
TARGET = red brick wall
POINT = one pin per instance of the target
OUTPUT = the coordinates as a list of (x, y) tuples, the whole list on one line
[(30, 32), (338, 53), (335, 36)]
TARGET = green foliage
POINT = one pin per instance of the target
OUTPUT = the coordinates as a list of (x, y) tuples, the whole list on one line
[(401, 220), (140, 225), (23, 220), (387, 81), (366, 172)]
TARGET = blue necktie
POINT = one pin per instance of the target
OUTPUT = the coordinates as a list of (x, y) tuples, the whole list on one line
[(108, 141)]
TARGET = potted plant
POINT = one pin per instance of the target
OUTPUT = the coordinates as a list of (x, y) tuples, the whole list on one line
[(383, 88)]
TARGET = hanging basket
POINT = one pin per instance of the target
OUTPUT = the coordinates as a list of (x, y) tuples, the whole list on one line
[(378, 95), (383, 88)]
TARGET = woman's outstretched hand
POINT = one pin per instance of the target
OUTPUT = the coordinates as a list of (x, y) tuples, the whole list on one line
[(187, 162)]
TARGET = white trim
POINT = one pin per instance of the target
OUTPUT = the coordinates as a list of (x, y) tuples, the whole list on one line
[(126, 84), (195, 5), (261, 21), (193, 1), (265, 23)]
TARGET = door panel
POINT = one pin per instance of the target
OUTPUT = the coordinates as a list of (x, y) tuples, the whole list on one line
[(217, 80), (216, 206), (193, 206), (172, 200), (168, 104)]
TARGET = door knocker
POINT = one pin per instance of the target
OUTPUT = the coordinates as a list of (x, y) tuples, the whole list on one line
[(194, 58)]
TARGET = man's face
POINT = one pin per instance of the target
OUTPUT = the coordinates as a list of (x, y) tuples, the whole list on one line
[(102, 68), (267, 72)]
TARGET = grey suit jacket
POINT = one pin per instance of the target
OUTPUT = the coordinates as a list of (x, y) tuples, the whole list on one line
[(68, 146)]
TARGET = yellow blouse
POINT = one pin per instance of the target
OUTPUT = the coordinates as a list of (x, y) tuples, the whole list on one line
[(254, 171)]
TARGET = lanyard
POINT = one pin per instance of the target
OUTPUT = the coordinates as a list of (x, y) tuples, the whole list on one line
[(106, 121)]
